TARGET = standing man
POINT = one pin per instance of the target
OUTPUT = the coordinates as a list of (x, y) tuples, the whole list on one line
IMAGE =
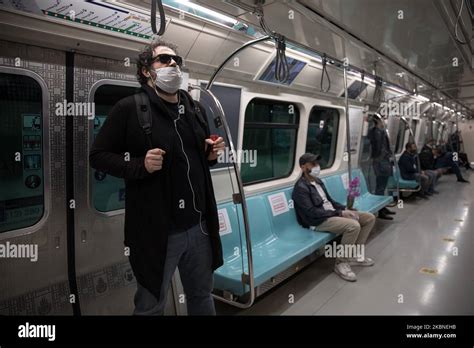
[(380, 145), (170, 209)]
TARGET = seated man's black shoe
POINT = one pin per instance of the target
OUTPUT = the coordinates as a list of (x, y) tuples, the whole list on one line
[(387, 211), (422, 195), (384, 216), (463, 180)]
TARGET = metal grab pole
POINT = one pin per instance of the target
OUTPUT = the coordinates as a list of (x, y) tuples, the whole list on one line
[(241, 201), (348, 131), (220, 67), (458, 137)]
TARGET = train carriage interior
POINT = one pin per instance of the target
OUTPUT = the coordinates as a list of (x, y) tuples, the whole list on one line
[(276, 79)]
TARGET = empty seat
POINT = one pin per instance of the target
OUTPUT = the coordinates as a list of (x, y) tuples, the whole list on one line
[(278, 241), (365, 202)]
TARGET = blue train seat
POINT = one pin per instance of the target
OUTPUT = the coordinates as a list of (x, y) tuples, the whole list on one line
[(403, 184), (365, 202), (278, 241)]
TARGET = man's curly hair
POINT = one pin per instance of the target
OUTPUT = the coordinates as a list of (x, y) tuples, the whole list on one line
[(145, 56)]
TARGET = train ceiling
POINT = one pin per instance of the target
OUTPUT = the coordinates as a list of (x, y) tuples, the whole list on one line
[(411, 43), (415, 51)]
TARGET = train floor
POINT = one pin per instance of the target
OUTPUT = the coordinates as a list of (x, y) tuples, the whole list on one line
[(418, 270)]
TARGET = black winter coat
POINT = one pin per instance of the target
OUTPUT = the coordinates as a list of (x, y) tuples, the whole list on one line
[(427, 160), (147, 196), (380, 144), (408, 165)]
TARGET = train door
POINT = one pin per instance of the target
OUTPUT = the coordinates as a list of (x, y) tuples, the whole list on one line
[(33, 210)]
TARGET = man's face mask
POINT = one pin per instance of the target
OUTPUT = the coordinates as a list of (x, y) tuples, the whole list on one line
[(315, 171), (168, 79)]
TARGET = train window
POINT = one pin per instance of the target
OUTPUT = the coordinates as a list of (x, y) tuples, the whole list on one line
[(21, 152), (108, 192), (322, 134), (269, 140), (399, 147)]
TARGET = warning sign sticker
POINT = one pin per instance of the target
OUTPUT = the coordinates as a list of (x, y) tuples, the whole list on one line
[(278, 203), (224, 222)]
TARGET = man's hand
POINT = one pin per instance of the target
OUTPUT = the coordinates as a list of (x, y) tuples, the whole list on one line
[(217, 145), (154, 160), (350, 215)]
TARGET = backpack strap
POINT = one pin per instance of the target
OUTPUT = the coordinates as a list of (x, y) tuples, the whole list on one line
[(200, 117), (144, 115), (197, 109)]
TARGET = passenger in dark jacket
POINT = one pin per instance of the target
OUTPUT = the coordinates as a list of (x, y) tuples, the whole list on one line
[(170, 209), (315, 207), (408, 165), (427, 159), (456, 142), (445, 162), (381, 161)]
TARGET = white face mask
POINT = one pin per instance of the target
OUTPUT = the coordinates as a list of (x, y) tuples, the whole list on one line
[(169, 79), (315, 171)]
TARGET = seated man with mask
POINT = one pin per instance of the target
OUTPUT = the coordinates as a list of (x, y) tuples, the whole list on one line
[(315, 207)]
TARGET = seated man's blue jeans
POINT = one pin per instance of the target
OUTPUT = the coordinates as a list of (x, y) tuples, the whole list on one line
[(191, 252), (446, 162), (433, 178)]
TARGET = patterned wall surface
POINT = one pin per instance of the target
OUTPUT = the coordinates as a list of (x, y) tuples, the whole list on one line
[(42, 288)]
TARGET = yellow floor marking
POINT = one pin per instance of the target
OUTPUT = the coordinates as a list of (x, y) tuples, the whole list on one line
[(427, 270)]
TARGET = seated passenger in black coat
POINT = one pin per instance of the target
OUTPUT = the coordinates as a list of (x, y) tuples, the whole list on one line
[(408, 164)]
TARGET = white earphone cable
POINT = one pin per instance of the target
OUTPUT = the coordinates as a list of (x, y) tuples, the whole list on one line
[(189, 179)]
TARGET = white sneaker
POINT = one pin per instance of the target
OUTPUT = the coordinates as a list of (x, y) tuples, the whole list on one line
[(366, 262), (344, 271)]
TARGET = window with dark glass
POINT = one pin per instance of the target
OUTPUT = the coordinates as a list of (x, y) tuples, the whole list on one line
[(269, 140), (21, 152), (322, 134), (399, 147)]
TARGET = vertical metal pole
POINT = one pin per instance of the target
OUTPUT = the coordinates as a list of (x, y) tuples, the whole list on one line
[(458, 138), (348, 131)]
